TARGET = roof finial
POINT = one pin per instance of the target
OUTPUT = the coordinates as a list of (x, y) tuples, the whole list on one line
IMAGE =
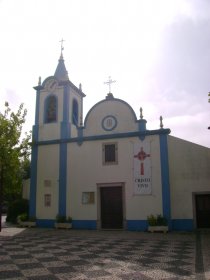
[(80, 87), (161, 122), (141, 113), (39, 82)]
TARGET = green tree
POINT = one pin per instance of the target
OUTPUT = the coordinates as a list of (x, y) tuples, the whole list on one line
[(14, 152)]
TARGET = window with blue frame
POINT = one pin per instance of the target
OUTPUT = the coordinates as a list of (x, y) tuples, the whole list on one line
[(51, 108), (75, 114)]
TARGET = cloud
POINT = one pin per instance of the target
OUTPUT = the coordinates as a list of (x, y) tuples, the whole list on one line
[(157, 51)]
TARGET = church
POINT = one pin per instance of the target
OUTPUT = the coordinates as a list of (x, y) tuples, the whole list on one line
[(108, 171)]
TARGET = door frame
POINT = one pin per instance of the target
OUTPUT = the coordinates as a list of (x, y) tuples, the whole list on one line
[(109, 185), (194, 194)]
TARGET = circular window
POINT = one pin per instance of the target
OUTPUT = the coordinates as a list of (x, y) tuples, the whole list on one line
[(109, 123)]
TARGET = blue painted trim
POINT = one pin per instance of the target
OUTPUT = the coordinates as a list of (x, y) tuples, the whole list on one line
[(80, 136), (35, 133), (142, 125), (46, 223), (37, 107), (183, 224), (132, 225), (84, 224), (34, 157), (71, 85), (113, 126), (65, 132), (66, 104), (62, 179), (33, 182), (111, 100), (81, 113), (166, 201), (138, 225), (105, 136)]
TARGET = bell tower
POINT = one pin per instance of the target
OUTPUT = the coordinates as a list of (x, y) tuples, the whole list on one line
[(58, 118), (59, 106)]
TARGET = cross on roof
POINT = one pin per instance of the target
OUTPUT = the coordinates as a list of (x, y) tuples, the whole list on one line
[(62, 47), (109, 82)]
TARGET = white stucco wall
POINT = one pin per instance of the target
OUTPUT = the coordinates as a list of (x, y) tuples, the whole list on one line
[(189, 167), (43, 95), (121, 111), (51, 130), (86, 172), (48, 169)]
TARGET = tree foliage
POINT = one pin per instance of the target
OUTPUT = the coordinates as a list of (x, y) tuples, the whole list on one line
[(14, 151)]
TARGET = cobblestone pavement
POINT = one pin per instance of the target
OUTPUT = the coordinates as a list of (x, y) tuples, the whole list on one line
[(50, 254)]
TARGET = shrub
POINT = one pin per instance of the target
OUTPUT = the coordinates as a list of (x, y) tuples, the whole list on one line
[(23, 217), (158, 220), (63, 219), (161, 221), (152, 220), (17, 208)]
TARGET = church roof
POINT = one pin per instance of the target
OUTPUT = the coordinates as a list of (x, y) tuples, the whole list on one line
[(61, 73)]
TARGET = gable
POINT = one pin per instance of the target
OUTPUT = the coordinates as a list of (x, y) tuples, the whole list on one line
[(110, 116)]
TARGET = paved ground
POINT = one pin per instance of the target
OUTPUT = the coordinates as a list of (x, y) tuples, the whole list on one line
[(29, 254)]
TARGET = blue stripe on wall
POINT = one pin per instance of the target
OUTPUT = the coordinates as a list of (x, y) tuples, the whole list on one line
[(139, 225), (76, 224), (45, 223), (65, 124), (166, 203), (37, 107), (62, 179), (132, 225), (66, 105), (33, 181), (34, 158), (183, 224), (84, 224), (105, 136), (64, 134)]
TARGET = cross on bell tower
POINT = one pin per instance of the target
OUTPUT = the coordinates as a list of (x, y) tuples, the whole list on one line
[(62, 47)]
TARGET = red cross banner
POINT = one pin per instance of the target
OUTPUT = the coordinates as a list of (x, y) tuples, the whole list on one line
[(142, 168)]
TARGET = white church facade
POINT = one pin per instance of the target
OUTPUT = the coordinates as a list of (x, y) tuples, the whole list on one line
[(111, 172)]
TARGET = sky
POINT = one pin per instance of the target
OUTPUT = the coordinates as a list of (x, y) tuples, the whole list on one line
[(158, 51)]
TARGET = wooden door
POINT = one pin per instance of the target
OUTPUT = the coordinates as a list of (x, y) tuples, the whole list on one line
[(111, 208), (203, 210)]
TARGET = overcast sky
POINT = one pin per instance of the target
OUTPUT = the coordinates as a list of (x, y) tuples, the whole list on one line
[(157, 51)]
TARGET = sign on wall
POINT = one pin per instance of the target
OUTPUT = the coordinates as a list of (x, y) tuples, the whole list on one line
[(142, 168)]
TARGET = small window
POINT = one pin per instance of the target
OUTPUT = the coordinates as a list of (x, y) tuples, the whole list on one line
[(51, 109), (110, 153), (47, 200), (88, 198)]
